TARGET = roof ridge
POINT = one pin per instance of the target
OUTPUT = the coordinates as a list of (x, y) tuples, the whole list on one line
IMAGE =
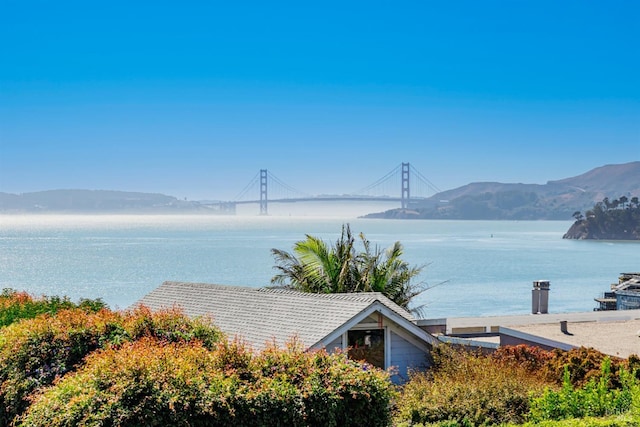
[(362, 297), (336, 295), (260, 314)]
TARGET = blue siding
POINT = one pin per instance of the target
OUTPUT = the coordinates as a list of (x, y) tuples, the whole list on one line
[(405, 357), (628, 300)]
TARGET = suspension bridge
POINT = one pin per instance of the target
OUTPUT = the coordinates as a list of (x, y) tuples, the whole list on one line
[(403, 184)]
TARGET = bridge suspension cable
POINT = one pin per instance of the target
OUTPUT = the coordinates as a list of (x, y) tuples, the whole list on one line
[(287, 187), (391, 174), (276, 186), (404, 177), (421, 178), (250, 186)]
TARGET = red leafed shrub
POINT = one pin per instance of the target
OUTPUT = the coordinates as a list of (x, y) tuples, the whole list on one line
[(154, 383), (533, 359), (78, 367), (36, 352), (583, 364)]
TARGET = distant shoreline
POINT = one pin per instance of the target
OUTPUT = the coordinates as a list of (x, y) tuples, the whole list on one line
[(555, 201)]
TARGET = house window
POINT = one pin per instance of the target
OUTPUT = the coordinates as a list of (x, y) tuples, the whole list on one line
[(367, 345)]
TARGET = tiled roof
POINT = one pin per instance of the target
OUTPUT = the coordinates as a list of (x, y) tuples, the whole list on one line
[(264, 315)]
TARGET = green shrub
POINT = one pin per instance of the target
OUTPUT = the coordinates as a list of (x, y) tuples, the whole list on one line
[(140, 383), (584, 364), (170, 325), (16, 306), (615, 421), (597, 398), (468, 389), (152, 383), (36, 352)]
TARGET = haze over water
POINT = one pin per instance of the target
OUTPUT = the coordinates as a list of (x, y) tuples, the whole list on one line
[(487, 266)]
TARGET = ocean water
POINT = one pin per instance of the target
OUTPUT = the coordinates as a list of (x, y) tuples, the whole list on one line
[(473, 268)]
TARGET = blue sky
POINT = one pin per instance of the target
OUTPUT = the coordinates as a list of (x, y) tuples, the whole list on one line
[(193, 98)]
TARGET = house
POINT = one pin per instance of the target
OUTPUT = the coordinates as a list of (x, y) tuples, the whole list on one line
[(624, 295), (370, 325), (616, 333), (627, 291)]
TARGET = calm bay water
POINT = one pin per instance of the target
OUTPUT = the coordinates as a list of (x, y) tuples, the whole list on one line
[(475, 267)]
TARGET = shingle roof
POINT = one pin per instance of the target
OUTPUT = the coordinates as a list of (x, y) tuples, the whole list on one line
[(264, 315)]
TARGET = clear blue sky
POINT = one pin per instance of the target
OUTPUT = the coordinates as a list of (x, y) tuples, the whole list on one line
[(193, 98)]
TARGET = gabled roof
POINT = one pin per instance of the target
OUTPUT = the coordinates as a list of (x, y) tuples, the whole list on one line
[(263, 315)]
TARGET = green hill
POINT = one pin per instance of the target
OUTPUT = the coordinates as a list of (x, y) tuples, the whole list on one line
[(617, 219), (555, 200)]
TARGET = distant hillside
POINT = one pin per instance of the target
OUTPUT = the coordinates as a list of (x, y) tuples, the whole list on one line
[(608, 220), (93, 201), (555, 200)]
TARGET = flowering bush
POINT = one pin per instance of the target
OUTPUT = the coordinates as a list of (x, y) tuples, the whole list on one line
[(82, 365), (140, 383), (35, 352), (153, 383)]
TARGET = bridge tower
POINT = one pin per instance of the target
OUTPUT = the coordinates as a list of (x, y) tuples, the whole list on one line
[(405, 194), (263, 192)]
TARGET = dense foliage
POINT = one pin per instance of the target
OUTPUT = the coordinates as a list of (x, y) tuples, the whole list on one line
[(583, 364), (16, 305), (318, 267), (36, 352), (625, 420), (520, 383), (609, 219), (78, 366), (74, 366), (154, 384), (468, 389), (595, 399)]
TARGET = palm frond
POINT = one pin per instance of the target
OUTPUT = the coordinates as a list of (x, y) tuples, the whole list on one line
[(316, 266)]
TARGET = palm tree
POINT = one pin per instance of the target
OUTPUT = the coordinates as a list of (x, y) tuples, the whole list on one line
[(384, 271), (320, 268), (317, 267)]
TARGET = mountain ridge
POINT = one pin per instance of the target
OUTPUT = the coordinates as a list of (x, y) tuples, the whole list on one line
[(555, 200), (78, 200)]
